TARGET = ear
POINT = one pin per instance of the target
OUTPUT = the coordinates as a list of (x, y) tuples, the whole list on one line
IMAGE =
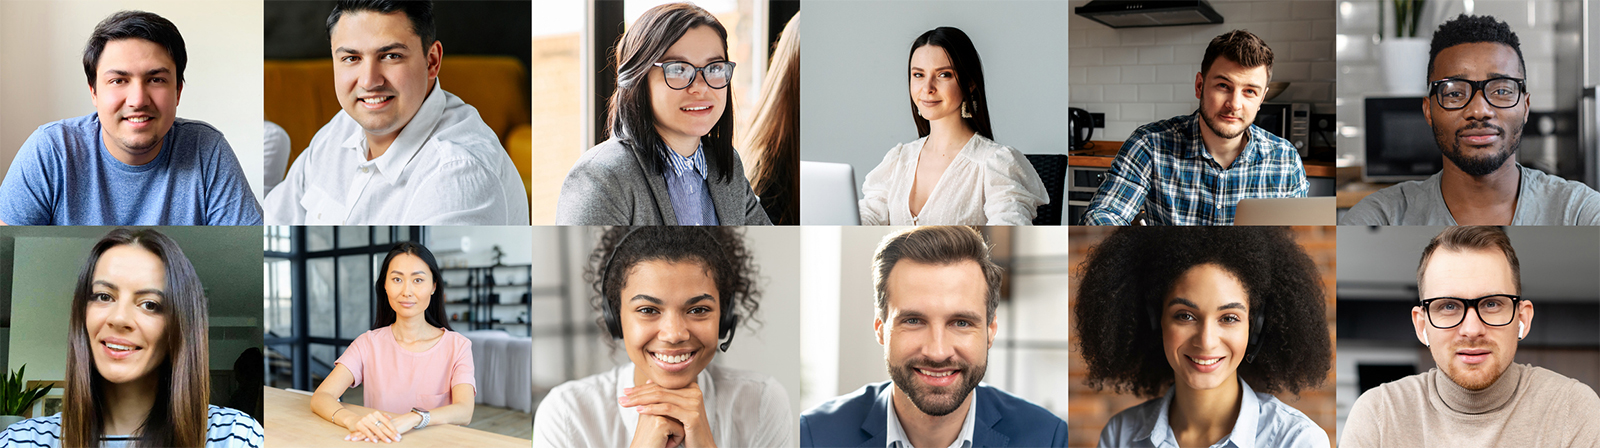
[(1427, 109), (1419, 321), (1199, 84), (877, 328), (1525, 318), (179, 97), (435, 59), (994, 326)]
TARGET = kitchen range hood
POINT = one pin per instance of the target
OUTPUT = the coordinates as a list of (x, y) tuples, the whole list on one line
[(1146, 13)]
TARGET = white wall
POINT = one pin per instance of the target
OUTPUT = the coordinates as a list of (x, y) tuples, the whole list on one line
[(44, 79), (41, 303), (1139, 75), (854, 98)]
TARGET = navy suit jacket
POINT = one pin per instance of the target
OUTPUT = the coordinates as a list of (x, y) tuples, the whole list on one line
[(859, 419)]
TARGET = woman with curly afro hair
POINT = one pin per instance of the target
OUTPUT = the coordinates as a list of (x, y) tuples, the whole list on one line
[(1225, 316), (673, 296)]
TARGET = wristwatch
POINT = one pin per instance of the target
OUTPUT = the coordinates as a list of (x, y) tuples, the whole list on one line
[(424, 414)]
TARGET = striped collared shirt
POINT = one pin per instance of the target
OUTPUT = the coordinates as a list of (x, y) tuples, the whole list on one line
[(1164, 169), (687, 189)]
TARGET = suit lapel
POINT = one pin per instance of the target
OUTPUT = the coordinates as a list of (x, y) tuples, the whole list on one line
[(988, 416), (658, 187), (877, 423)]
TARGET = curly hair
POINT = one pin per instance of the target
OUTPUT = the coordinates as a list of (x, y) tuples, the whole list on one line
[(1465, 29), (1132, 270), (720, 249)]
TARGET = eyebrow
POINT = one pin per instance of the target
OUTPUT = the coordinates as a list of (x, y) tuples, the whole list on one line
[(959, 315), (946, 67), (678, 57), (150, 72), (397, 271), (1225, 78), (1186, 302), (110, 285), (383, 49), (691, 301)]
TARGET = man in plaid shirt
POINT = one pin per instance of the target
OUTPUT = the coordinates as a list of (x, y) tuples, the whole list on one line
[(1194, 169)]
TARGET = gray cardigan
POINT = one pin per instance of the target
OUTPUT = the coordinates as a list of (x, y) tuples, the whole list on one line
[(609, 186)]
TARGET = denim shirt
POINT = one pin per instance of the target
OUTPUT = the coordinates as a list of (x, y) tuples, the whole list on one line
[(1263, 421), (686, 187)]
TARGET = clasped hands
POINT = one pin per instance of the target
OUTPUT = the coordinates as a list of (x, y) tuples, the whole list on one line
[(380, 426), (668, 418)]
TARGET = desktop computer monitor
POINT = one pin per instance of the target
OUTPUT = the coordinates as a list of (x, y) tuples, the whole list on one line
[(1400, 144)]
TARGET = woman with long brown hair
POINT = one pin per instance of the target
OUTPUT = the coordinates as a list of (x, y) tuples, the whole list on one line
[(774, 137), (137, 360)]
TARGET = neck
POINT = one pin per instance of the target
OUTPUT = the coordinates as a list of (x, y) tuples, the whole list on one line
[(414, 328), (1205, 414), (927, 430), (128, 404), (131, 159), (1465, 192), (684, 147), (377, 145), (1223, 150), (1489, 399), (951, 130)]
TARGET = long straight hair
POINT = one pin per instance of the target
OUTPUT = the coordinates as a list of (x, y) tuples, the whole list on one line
[(435, 312), (969, 71), (183, 392), (774, 136), (632, 118)]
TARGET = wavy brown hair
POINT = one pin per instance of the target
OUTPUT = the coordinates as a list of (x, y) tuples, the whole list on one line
[(774, 138), (183, 394)]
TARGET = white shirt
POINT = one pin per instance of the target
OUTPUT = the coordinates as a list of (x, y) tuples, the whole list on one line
[(744, 409), (897, 434), (275, 146), (446, 167), (987, 183)]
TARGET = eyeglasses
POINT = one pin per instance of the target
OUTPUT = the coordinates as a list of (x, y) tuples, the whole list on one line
[(1496, 310), (1452, 93), (681, 74)]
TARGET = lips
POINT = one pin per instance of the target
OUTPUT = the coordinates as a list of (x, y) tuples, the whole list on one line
[(1480, 135), (938, 377), (1473, 355), (672, 360), (1204, 364), (374, 101), (407, 304), (699, 108), (117, 348), (138, 120)]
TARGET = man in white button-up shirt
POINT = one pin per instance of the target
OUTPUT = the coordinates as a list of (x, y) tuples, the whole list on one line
[(403, 151)]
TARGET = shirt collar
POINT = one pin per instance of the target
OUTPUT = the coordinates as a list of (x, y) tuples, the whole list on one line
[(1196, 149), (630, 417), (408, 143), (1159, 429), (695, 163), (896, 434)]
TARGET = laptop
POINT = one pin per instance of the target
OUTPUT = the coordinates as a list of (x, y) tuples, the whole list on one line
[(828, 194), (1312, 211)]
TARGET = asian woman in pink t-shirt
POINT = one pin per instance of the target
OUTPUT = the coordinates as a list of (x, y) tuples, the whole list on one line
[(416, 371)]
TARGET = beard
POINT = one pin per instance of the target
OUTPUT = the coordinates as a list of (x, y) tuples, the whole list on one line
[(1483, 164), (936, 401), (1209, 119), (1473, 378)]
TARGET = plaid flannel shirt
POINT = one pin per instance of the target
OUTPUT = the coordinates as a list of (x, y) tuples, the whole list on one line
[(1164, 169)]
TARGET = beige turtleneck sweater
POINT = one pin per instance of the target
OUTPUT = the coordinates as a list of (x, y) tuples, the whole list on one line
[(1528, 406)]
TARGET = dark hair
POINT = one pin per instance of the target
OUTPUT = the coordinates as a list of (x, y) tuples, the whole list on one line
[(1462, 238), (720, 249), (1241, 47), (935, 245), (632, 119), (1129, 273), (969, 71), (1465, 29), (435, 312), (420, 13), (183, 394), (134, 25)]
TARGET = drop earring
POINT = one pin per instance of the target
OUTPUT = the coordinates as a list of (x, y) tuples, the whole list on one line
[(964, 112)]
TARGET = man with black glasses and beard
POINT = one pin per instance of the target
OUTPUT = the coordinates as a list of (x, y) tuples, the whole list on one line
[(936, 293), (1477, 105)]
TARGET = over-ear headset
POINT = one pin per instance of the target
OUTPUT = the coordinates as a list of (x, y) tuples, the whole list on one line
[(1257, 320), (613, 315)]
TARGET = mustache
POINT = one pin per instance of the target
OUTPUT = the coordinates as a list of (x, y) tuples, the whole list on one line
[(1480, 125), (929, 364)]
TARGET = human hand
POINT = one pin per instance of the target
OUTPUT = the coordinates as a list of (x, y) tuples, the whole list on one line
[(686, 406), (657, 432), (380, 427)]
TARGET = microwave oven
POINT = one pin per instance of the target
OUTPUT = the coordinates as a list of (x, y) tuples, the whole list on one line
[(1291, 121)]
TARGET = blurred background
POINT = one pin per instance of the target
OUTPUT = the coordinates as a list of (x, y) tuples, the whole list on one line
[(1378, 288), (39, 269), (569, 343), (1091, 409), (318, 296), (841, 353)]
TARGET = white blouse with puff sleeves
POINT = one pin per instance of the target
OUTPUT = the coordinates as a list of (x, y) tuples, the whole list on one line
[(987, 184)]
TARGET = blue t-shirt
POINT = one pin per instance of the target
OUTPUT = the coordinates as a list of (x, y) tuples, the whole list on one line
[(63, 175)]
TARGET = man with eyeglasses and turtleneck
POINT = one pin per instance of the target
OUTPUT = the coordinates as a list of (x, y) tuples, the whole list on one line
[(1471, 316), (1477, 105)]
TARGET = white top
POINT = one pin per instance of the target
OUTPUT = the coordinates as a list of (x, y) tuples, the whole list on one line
[(446, 167), (987, 183), (744, 409), (897, 434)]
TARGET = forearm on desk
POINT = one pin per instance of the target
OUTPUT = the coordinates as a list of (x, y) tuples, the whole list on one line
[(342, 414)]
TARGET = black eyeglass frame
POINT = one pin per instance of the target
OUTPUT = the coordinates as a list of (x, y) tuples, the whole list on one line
[(1473, 305), (696, 74), (1477, 87)]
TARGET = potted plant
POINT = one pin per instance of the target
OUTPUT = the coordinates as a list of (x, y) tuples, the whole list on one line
[(1404, 56), (16, 399)]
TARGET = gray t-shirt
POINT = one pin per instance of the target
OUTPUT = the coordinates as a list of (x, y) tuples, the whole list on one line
[(1542, 200)]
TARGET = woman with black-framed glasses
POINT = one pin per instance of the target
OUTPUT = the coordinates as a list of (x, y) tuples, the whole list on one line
[(670, 159)]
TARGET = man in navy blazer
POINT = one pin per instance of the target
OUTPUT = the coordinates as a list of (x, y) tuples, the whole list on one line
[(936, 294)]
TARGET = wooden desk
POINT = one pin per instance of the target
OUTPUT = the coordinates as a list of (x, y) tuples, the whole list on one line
[(1102, 152), (290, 423)]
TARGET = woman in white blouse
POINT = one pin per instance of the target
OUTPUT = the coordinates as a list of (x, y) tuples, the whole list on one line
[(955, 174)]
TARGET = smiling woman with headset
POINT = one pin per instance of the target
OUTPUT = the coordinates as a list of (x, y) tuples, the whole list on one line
[(673, 296), (1225, 316)]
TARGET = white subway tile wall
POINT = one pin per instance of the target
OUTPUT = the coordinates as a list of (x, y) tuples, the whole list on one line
[(1360, 75), (1139, 75)]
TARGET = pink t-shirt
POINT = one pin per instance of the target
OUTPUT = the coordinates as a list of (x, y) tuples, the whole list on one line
[(398, 379)]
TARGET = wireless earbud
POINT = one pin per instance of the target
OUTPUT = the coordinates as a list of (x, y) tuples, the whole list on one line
[(1425, 339), (1521, 331)]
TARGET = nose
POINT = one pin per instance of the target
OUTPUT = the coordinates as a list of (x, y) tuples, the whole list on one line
[(371, 77), (118, 316), (1478, 107), (699, 84), (138, 96), (673, 329), (939, 348), (1471, 324)]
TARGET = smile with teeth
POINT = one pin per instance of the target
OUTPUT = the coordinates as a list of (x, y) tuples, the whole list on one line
[(1204, 362), (120, 348), (696, 109), (937, 374), (139, 119), (376, 99), (673, 359)]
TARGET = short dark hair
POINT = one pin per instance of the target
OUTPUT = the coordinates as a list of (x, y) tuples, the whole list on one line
[(1126, 276), (969, 70), (1464, 238), (1465, 29), (631, 118), (420, 13), (1241, 47), (935, 245), (134, 25)]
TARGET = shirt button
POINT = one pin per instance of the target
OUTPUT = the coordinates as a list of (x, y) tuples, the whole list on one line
[(364, 170)]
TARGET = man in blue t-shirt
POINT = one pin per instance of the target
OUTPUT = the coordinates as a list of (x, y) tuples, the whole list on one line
[(132, 162)]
